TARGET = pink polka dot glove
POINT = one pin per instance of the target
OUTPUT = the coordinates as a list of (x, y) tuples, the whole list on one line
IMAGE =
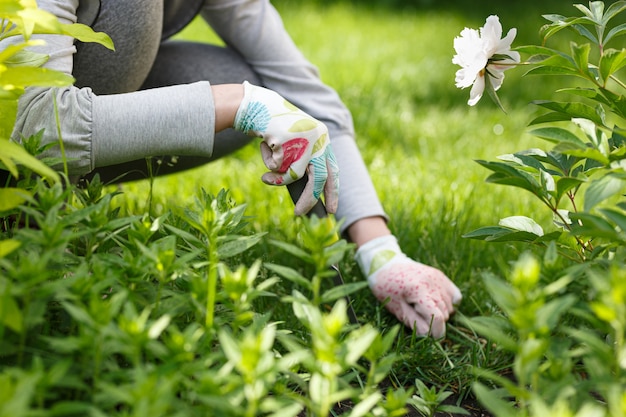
[(420, 296), (293, 143)]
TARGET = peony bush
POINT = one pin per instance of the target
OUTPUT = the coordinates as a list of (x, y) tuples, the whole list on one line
[(563, 303)]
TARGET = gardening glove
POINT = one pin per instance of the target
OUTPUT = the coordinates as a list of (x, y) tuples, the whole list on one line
[(293, 143), (420, 296)]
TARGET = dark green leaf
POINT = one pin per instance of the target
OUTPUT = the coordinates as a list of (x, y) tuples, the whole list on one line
[(585, 32), (292, 249), (494, 329), (617, 217), (550, 313), (486, 232), (588, 153), (613, 10), (528, 159), (615, 32), (514, 236), (616, 102), (573, 110), (237, 245), (584, 92), (290, 274), (492, 92), (565, 184), (549, 118), (342, 291), (552, 70), (508, 175), (591, 225), (601, 189), (558, 135), (69, 408)]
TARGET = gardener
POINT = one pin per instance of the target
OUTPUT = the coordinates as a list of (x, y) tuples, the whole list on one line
[(156, 96)]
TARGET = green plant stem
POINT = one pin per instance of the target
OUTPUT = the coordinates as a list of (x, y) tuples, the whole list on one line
[(211, 280), (60, 135), (151, 184), (555, 210)]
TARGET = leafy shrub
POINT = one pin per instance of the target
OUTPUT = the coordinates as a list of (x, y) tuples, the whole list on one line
[(563, 308)]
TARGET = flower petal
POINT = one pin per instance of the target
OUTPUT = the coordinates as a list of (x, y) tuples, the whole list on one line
[(491, 34), (477, 91)]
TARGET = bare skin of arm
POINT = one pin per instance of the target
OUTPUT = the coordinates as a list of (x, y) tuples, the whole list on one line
[(227, 98), (366, 229)]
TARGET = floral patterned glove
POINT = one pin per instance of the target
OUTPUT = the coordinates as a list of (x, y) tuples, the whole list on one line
[(294, 143), (420, 296)]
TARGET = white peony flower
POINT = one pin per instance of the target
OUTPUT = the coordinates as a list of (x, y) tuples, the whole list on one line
[(482, 54)]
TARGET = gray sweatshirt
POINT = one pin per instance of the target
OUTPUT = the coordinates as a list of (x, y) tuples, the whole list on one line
[(107, 129)]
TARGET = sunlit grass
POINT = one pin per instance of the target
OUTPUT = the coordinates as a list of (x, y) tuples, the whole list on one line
[(418, 137)]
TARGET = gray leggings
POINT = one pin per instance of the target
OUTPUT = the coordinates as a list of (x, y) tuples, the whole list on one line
[(141, 61)]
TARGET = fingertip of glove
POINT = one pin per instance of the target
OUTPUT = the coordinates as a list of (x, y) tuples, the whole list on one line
[(457, 296), (331, 206), (272, 178), (303, 206)]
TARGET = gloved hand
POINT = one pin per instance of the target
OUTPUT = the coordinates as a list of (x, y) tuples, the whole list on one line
[(420, 296), (294, 143)]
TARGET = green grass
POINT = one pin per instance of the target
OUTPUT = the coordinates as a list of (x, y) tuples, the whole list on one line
[(392, 67)]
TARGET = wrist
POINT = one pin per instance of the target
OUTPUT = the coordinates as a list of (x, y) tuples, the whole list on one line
[(367, 229), (226, 99)]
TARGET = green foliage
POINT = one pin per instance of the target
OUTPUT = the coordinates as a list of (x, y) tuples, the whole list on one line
[(429, 401), (107, 314), (581, 176), (563, 312)]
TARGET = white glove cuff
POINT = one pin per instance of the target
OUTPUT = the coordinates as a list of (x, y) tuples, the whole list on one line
[(376, 253), (245, 116)]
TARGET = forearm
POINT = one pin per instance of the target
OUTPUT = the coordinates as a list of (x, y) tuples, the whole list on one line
[(366, 229)]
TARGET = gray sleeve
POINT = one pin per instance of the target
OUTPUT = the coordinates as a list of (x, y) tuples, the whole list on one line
[(255, 29), (110, 129)]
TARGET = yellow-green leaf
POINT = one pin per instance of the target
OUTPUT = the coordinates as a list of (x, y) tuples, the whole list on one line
[(8, 110), (10, 198), (85, 34), (19, 77), (11, 54), (19, 155), (7, 246), (10, 313)]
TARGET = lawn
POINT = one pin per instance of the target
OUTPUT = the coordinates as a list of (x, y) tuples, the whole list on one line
[(420, 141)]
